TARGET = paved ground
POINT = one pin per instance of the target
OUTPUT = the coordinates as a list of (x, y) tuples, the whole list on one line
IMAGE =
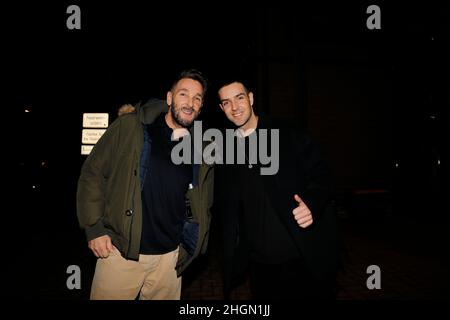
[(413, 260), (411, 254)]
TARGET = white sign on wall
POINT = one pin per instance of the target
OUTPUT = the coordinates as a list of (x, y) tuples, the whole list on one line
[(86, 149), (91, 136), (95, 120), (94, 126)]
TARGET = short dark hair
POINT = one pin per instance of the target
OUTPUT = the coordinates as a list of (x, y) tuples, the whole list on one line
[(194, 75), (236, 72), (232, 75), (237, 80)]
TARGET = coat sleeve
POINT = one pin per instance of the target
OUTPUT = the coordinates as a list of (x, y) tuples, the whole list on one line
[(92, 183)]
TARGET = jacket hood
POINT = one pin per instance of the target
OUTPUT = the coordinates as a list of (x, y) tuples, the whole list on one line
[(150, 110)]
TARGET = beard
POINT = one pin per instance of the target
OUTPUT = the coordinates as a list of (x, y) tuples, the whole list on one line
[(177, 117)]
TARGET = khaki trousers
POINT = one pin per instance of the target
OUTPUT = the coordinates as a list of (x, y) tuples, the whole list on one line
[(153, 277)]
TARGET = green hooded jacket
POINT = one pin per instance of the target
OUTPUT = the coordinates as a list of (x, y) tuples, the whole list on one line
[(109, 192)]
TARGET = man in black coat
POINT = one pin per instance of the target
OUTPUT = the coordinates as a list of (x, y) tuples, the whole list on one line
[(279, 225)]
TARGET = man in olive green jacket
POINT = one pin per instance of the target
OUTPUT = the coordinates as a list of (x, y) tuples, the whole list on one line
[(109, 203)]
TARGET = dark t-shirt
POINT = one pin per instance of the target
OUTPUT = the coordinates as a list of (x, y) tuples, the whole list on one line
[(163, 193)]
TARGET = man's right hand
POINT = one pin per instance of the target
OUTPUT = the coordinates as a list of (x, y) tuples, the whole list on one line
[(126, 108), (101, 246)]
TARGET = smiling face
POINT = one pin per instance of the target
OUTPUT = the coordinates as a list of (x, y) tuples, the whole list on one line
[(185, 100), (237, 102)]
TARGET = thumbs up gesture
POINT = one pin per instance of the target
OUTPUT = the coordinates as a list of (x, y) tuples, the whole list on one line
[(302, 214)]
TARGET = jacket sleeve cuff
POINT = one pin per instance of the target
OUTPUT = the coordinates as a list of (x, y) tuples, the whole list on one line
[(95, 231)]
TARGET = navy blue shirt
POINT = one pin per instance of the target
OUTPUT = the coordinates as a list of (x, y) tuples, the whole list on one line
[(163, 194)]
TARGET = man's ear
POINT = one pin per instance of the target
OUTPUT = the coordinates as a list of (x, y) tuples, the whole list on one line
[(250, 97), (169, 98), (221, 106)]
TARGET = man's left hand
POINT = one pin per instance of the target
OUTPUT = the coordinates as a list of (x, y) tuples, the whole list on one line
[(302, 214)]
